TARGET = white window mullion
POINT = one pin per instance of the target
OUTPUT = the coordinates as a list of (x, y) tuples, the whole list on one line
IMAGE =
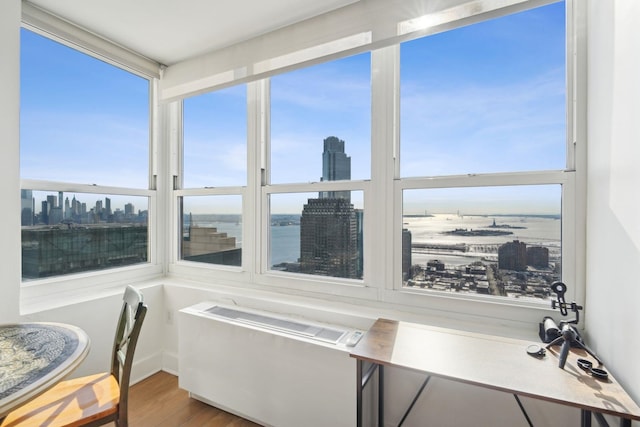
[(257, 167), (574, 228), (172, 156), (379, 223)]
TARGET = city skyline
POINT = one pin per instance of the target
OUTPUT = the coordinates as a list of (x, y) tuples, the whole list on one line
[(72, 207)]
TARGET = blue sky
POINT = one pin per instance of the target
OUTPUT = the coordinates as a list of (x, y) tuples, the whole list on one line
[(215, 135), (483, 98), (81, 120)]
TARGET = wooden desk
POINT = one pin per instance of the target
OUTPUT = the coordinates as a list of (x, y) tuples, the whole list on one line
[(488, 361), (34, 357)]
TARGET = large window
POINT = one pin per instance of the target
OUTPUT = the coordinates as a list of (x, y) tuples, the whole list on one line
[(84, 162), (483, 120), (436, 167), (320, 133), (214, 169)]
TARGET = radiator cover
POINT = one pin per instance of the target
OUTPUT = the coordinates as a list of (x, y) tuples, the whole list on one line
[(285, 375)]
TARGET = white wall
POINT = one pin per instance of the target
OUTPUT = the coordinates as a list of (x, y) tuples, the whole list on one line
[(9, 136), (613, 212), (98, 318)]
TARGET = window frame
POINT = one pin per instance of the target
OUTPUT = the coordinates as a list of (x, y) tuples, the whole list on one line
[(381, 285), (383, 220), (573, 199), (59, 290), (39, 292), (310, 282), (203, 271), (299, 281), (564, 178), (223, 191)]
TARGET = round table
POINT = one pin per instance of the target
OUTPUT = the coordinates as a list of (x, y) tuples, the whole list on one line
[(34, 357)]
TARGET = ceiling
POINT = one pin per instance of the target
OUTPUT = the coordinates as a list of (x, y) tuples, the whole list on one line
[(170, 31)]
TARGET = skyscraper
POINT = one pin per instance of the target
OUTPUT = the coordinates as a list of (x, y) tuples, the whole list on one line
[(26, 207), (538, 257), (513, 256), (336, 166), (328, 238), (330, 227), (406, 254)]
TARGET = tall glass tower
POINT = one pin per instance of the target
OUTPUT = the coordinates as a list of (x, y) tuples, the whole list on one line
[(336, 166), (330, 227)]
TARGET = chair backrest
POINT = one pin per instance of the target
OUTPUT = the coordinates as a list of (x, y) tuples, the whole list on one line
[(127, 332)]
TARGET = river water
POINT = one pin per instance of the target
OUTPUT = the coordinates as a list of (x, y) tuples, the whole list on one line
[(431, 230)]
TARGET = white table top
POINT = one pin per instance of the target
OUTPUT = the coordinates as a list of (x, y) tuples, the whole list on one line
[(493, 362), (34, 357)]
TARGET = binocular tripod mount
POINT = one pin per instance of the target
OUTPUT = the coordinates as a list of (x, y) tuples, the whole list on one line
[(569, 335)]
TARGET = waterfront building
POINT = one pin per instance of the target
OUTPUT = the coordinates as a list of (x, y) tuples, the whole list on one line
[(44, 212), (406, 254), (26, 207), (67, 208), (538, 257), (360, 242), (329, 238), (55, 215), (52, 202), (207, 244), (513, 256)]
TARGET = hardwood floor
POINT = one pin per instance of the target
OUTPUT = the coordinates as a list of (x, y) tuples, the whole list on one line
[(157, 401)]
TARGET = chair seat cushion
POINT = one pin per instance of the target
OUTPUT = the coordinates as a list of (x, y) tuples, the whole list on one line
[(69, 403)]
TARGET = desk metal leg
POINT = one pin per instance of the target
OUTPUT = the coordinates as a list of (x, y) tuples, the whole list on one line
[(359, 389), (415, 399), (524, 412), (602, 422), (600, 419), (362, 379), (585, 418), (380, 396)]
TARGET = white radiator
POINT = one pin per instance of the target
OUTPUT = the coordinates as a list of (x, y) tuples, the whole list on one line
[(274, 370)]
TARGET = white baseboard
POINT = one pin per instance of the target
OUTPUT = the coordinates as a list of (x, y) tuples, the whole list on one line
[(146, 367)]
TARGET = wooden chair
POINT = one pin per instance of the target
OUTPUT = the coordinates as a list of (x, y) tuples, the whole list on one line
[(96, 399)]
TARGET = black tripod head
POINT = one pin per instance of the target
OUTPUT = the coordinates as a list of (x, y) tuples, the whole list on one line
[(569, 335), (560, 289)]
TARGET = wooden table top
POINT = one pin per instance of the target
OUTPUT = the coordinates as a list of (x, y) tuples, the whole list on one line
[(34, 357), (494, 362)]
